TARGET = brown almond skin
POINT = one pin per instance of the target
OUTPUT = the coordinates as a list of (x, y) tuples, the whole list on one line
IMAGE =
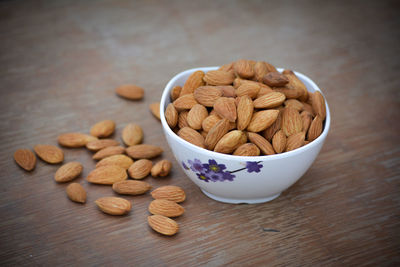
[(196, 116), (49, 153), (248, 149), (227, 90), (192, 136), (245, 110), (262, 143), (225, 107), (185, 102), (155, 109), (163, 225), (140, 169), (279, 141), (68, 172), (297, 84), (75, 139), (114, 205), (169, 192), (107, 175), (216, 133), (131, 187), (194, 81), (260, 69), (182, 119), (226, 67), (291, 121), (207, 95), (318, 105), (288, 92), (108, 151), (306, 118), (122, 161), (165, 208), (209, 122), (263, 119), (219, 77), (275, 79), (244, 69), (76, 193), (269, 100), (175, 92), (25, 158), (230, 141), (132, 134), (271, 130), (144, 151), (99, 144), (171, 115), (295, 141), (130, 91), (249, 89), (315, 129), (294, 103), (161, 168), (103, 128)]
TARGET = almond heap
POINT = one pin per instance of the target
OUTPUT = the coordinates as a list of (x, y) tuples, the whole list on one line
[(246, 108)]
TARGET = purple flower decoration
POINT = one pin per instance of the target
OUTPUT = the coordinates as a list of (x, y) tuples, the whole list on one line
[(213, 166), (196, 165), (185, 166), (253, 166), (202, 176)]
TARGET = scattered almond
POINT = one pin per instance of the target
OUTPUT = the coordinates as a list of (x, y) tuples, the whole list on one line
[(114, 205), (103, 128), (155, 109), (107, 175), (25, 159), (99, 144), (122, 161), (75, 139), (132, 134), (108, 151), (140, 169), (161, 168), (131, 187), (169, 192), (144, 151), (166, 208), (163, 225), (130, 91), (49, 153), (76, 193), (68, 172)]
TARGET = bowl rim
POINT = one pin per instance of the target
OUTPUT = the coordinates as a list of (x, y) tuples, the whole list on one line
[(168, 130)]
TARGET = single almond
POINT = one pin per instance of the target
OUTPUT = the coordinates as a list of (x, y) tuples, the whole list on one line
[(182, 119), (318, 105), (68, 172), (131, 187), (144, 151), (275, 79), (248, 149), (219, 77), (76, 193), (262, 143), (207, 95), (260, 69), (245, 110), (216, 133), (265, 89), (103, 128), (244, 69), (308, 107), (315, 129), (249, 89), (130, 91), (108, 151), (226, 67), (192, 136), (279, 141), (155, 109), (114, 205), (25, 159), (269, 100), (161, 168), (175, 92), (132, 134), (140, 169), (209, 122), (75, 139), (169, 192), (294, 103), (163, 225), (107, 175), (166, 208), (297, 84), (306, 119), (225, 107), (49, 153), (263, 119), (185, 102), (288, 92), (271, 130), (122, 161), (291, 121), (230, 141), (227, 90), (99, 144), (270, 67), (295, 141), (196, 116), (194, 81), (171, 115)]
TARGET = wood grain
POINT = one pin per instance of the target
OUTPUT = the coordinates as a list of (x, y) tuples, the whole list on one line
[(60, 62)]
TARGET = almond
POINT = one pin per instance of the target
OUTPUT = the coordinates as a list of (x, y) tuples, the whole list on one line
[(227, 90), (209, 122), (244, 69), (207, 95), (261, 142), (49, 153), (108, 151), (132, 134), (194, 81), (140, 169), (271, 130), (114, 205), (245, 110), (248, 149), (275, 79), (291, 121), (295, 141), (161, 168), (122, 161), (103, 128), (269, 100), (216, 133), (175, 92), (144, 151), (99, 144), (155, 109), (250, 89), (308, 107), (130, 187), (25, 159), (318, 105), (68, 172), (171, 115), (192, 136), (306, 119), (298, 85), (264, 90), (225, 107), (260, 69), (165, 208), (294, 103), (130, 91), (75, 139), (219, 77), (262, 120), (204, 134), (230, 141), (315, 129), (107, 175), (169, 192), (76, 193), (163, 225), (196, 116), (185, 102), (279, 141), (288, 92), (270, 67), (226, 67), (182, 119)]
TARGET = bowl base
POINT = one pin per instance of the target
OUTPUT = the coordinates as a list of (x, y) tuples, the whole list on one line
[(240, 201)]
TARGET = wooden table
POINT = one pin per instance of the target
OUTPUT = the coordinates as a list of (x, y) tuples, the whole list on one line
[(61, 60)]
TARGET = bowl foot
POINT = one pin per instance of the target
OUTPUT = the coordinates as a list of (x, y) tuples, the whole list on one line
[(240, 201)]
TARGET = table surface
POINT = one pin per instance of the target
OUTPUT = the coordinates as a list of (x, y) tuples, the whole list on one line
[(61, 60)]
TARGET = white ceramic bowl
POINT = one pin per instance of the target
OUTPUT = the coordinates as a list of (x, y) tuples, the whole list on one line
[(239, 179)]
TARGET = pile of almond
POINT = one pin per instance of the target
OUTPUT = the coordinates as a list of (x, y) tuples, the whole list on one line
[(246, 108)]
